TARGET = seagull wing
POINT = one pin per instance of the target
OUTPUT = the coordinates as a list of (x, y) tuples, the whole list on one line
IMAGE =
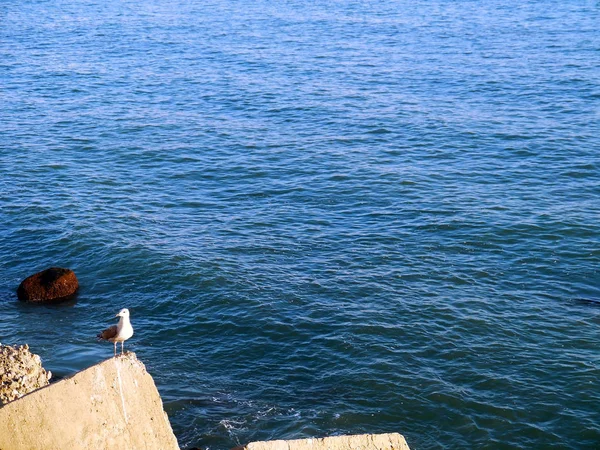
[(107, 334)]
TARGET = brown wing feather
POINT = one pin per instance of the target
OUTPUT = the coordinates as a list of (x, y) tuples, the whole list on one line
[(108, 333)]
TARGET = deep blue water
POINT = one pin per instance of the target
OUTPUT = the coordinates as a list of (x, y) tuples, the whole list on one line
[(325, 217)]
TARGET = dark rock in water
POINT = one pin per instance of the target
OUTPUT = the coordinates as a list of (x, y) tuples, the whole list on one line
[(49, 286)]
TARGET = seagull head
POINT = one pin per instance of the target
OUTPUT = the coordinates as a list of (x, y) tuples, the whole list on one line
[(123, 313)]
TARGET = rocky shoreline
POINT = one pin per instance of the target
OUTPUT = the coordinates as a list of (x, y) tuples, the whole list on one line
[(21, 372), (113, 404)]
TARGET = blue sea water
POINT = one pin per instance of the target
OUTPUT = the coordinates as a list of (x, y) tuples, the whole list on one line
[(325, 217)]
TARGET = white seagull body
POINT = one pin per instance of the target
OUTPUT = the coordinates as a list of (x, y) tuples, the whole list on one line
[(119, 332)]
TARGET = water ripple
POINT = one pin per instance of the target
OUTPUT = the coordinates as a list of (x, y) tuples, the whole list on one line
[(326, 218)]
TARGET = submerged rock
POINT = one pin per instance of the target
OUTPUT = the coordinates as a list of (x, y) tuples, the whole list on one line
[(21, 372), (48, 286)]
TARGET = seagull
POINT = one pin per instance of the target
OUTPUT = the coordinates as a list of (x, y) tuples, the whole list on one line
[(119, 332)]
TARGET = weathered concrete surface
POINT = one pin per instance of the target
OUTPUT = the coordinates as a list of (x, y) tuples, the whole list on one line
[(390, 441), (112, 405), (21, 372)]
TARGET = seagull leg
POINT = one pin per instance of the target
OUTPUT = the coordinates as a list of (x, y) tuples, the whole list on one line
[(115, 348), (122, 342)]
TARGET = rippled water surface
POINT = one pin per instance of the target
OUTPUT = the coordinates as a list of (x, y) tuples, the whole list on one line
[(325, 217)]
